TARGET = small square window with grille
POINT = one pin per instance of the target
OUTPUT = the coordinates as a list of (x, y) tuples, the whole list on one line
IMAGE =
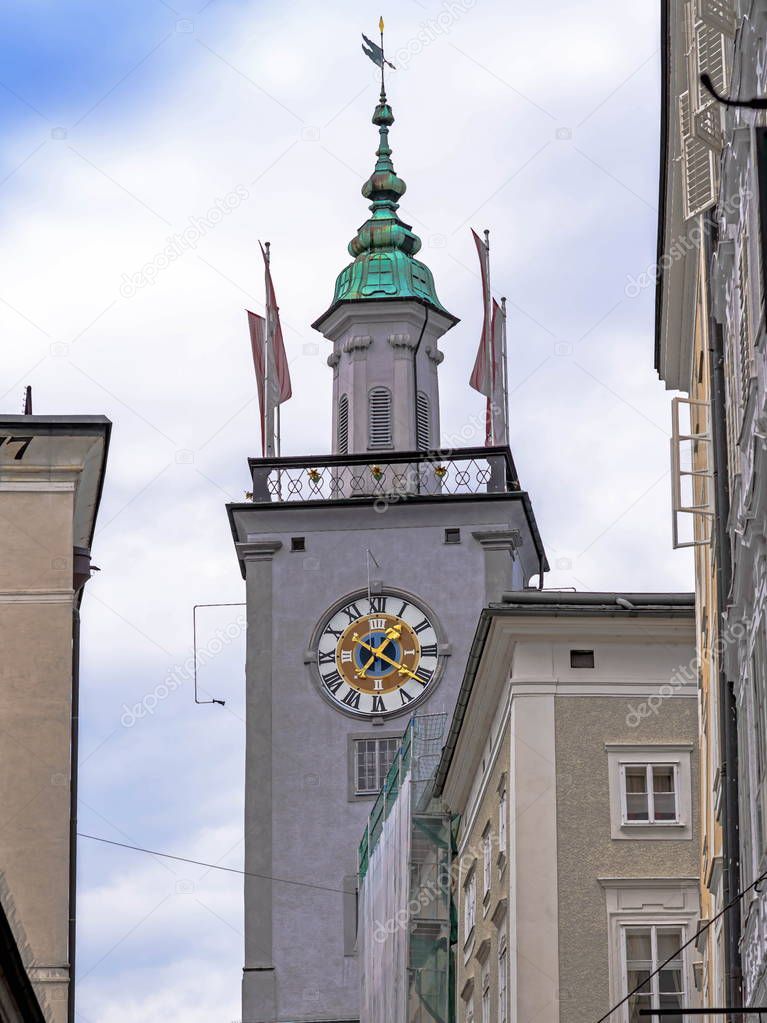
[(452, 536), (298, 543), (372, 760), (581, 658)]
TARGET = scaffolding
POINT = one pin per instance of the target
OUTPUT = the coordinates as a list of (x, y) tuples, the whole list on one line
[(406, 921)]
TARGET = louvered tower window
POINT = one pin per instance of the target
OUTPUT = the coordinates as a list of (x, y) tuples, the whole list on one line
[(342, 436), (422, 422), (379, 418)]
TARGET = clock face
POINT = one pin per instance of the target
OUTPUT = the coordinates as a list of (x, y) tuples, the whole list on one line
[(377, 656)]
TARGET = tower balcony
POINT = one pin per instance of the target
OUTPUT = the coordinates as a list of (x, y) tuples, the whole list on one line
[(388, 476)]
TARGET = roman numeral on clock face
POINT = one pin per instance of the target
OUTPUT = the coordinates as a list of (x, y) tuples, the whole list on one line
[(378, 604), (423, 624), (405, 696), (352, 699), (377, 624), (430, 650), (379, 707), (333, 681), (326, 657), (352, 612), (423, 675)]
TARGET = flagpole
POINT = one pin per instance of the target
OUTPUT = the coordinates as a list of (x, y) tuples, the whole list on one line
[(505, 364), (383, 60), (268, 414), (489, 334)]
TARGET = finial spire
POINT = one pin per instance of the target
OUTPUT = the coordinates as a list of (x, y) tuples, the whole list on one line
[(383, 59)]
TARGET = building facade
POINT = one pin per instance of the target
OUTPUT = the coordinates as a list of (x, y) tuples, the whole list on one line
[(711, 345), (365, 571), (572, 762), (51, 476)]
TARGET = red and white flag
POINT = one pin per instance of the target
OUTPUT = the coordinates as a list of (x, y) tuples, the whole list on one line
[(481, 378), (487, 376), (275, 343), (257, 328), (270, 363)]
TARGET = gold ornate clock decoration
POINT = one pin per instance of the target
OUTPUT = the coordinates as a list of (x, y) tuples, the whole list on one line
[(377, 655)]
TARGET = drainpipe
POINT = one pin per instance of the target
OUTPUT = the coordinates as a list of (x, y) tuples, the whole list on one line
[(81, 572), (728, 722)]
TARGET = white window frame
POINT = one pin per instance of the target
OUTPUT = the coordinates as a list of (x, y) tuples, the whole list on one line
[(503, 808), (485, 996), (469, 904), (645, 901), (650, 793), (355, 792), (503, 978), (678, 756), (653, 926), (487, 861)]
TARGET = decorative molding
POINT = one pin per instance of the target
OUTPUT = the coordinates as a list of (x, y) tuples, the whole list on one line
[(401, 341), (357, 343), (333, 359), (57, 596), (499, 913), (499, 539), (258, 550), (15, 485), (483, 951), (435, 354)]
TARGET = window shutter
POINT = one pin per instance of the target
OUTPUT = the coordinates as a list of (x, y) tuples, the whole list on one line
[(744, 322), (719, 14), (343, 425), (697, 164), (379, 418), (423, 422)]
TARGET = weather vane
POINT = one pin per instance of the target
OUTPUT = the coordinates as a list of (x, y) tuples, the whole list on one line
[(376, 53)]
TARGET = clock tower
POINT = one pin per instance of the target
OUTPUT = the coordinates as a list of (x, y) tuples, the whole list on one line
[(365, 571)]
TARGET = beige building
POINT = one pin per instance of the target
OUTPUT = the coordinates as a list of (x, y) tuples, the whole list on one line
[(710, 344), (690, 151), (51, 476), (572, 762)]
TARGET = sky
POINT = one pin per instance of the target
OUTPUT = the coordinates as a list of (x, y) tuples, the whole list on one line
[(123, 125)]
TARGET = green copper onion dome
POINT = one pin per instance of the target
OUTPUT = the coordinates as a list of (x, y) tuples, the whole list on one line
[(384, 247)]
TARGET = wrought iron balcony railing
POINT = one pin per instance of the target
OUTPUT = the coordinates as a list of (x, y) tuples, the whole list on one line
[(390, 476)]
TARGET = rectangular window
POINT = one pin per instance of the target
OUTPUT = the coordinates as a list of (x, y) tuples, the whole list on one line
[(372, 760), (649, 794), (452, 535), (485, 996), (581, 658), (502, 822), (469, 905), (487, 849), (645, 948), (503, 969)]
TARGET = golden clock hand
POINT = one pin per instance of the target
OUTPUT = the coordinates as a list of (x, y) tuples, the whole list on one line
[(391, 633), (379, 653)]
